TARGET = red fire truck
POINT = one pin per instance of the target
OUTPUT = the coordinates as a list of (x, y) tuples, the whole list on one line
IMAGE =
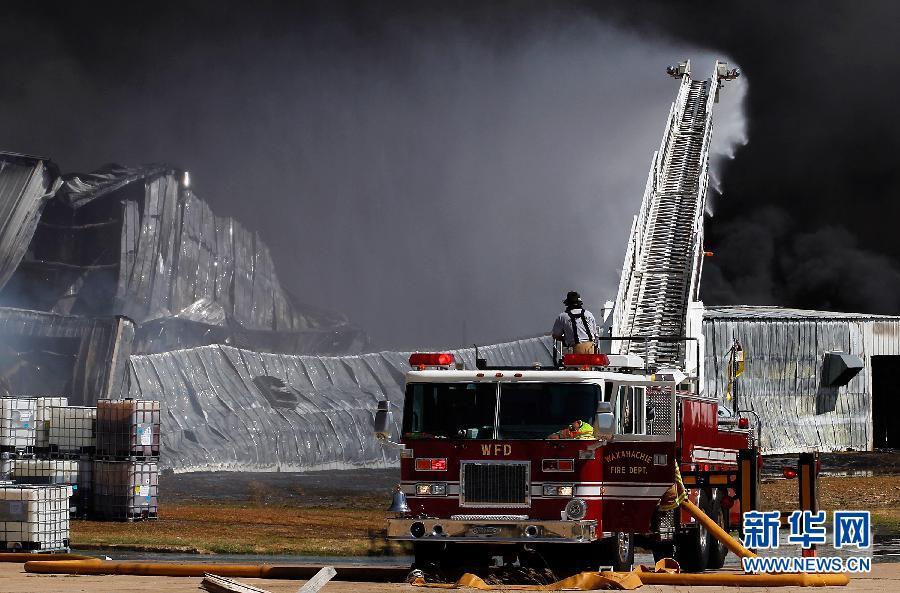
[(567, 467)]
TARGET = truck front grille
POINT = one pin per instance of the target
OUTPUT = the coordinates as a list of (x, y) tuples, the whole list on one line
[(660, 399), (494, 484)]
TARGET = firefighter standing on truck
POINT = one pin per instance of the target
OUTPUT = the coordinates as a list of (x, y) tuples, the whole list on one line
[(576, 327)]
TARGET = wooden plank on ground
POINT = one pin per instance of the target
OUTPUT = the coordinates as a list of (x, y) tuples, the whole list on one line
[(319, 580), (216, 584)]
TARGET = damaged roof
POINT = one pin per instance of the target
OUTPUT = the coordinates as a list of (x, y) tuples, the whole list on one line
[(137, 241)]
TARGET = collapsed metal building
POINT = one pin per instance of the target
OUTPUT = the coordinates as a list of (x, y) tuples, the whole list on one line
[(137, 242), (94, 268)]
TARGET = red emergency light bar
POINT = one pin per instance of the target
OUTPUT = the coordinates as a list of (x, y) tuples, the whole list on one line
[(431, 359), (585, 360)]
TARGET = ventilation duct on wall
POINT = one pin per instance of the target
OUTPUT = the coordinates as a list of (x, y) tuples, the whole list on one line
[(840, 368)]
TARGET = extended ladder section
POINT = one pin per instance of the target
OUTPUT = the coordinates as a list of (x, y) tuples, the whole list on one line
[(664, 257)]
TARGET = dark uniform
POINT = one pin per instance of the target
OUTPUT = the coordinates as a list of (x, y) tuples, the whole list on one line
[(576, 327)]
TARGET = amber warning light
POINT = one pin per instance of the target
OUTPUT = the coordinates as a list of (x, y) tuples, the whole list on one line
[(431, 359)]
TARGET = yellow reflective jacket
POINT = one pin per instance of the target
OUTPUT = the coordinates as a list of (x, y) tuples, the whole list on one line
[(577, 430)]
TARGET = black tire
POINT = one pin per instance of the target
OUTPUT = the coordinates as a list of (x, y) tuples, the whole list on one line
[(663, 550), (692, 544), (717, 550), (565, 560), (618, 552)]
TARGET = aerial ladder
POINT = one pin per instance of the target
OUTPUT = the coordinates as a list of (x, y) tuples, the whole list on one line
[(657, 313)]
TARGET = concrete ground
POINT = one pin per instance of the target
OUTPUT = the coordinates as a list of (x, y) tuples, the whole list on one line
[(883, 579)]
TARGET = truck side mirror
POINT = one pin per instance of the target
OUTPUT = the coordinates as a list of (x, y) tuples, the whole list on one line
[(604, 422), (384, 419)]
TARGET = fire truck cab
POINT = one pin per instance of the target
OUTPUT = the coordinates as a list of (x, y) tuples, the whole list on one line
[(564, 468)]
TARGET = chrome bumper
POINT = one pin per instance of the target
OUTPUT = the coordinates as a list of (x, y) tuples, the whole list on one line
[(449, 530)]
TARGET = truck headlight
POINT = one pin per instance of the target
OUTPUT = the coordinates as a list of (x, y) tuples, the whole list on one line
[(438, 489), (558, 489)]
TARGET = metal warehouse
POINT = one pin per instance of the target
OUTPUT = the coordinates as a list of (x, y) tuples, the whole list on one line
[(786, 380)]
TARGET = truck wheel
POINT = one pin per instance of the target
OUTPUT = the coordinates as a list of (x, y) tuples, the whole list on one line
[(619, 552), (717, 550), (663, 550), (692, 545), (562, 560)]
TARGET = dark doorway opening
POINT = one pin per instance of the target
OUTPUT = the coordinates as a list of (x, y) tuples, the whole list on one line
[(886, 401)]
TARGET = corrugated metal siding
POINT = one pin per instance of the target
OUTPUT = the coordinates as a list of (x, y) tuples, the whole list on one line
[(783, 378), (104, 348), (181, 254), (883, 337), (177, 261), (25, 186), (218, 416)]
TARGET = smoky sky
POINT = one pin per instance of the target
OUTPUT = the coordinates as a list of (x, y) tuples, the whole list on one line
[(444, 172)]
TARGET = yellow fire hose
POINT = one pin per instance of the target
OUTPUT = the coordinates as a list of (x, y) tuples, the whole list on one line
[(595, 581), (95, 566), (720, 534), (758, 580)]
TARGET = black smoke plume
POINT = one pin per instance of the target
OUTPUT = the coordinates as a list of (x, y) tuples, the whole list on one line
[(811, 204)]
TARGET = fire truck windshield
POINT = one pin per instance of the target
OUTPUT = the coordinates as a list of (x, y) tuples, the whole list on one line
[(546, 410), (527, 410), (449, 410)]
